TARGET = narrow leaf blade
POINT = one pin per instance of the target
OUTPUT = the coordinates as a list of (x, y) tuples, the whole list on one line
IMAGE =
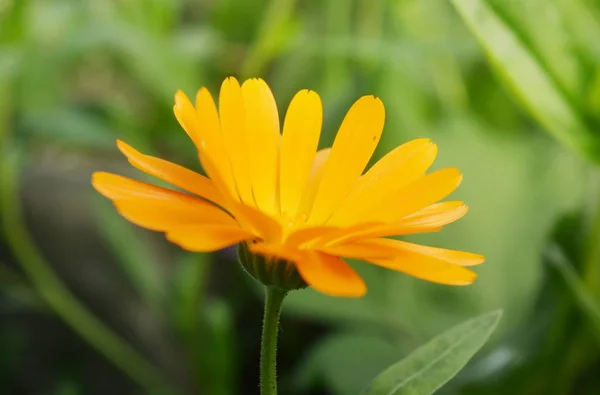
[(583, 297), (529, 79), (432, 365)]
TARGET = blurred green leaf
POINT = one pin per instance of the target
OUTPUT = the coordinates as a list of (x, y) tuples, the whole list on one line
[(12, 20), (197, 42), (275, 30), (547, 38), (132, 254), (428, 368), (10, 61), (67, 387), (520, 362), (581, 20), (553, 337), (338, 22), (13, 343), (154, 16), (188, 285), (70, 126), (218, 346), (15, 287), (53, 291), (205, 326), (585, 300), (152, 60), (187, 292), (237, 20), (332, 359), (529, 78)]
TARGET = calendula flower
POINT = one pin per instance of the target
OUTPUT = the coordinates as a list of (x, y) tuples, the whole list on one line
[(288, 202)]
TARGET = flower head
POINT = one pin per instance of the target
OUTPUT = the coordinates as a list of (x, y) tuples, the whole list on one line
[(274, 191)]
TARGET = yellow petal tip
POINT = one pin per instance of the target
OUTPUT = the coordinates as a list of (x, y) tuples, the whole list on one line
[(179, 96), (202, 91), (231, 80), (123, 146), (469, 281), (98, 178)]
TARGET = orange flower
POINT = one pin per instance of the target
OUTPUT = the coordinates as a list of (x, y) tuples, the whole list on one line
[(289, 201)]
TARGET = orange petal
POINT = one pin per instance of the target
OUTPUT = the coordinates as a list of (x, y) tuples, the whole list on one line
[(330, 275), (397, 169), (250, 218), (460, 258), (207, 238), (160, 215), (380, 230), (353, 147), (186, 116), (438, 214), (231, 200), (427, 220), (276, 251), (233, 125), (432, 188), (358, 250), (394, 171), (172, 173), (308, 197), (258, 222), (262, 137), (330, 238), (301, 132), (117, 187), (427, 268), (156, 208), (304, 235), (213, 142)]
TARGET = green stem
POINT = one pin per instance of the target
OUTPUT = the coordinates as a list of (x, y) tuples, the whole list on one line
[(268, 352)]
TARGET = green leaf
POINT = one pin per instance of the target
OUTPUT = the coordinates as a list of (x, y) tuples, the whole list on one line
[(345, 363), (529, 78), (584, 299), (132, 254), (187, 290), (70, 126), (547, 37), (189, 310), (432, 365), (152, 60), (219, 361)]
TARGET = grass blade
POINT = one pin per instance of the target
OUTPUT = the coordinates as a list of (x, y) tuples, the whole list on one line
[(528, 78)]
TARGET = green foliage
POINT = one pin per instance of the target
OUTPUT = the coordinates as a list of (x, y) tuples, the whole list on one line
[(74, 76), (429, 367), (139, 265), (528, 63), (330, 360)]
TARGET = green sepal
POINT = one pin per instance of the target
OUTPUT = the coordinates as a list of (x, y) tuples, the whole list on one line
[(270, 271)]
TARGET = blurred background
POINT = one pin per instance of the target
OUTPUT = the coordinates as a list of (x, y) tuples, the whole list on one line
[(90, 304)]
